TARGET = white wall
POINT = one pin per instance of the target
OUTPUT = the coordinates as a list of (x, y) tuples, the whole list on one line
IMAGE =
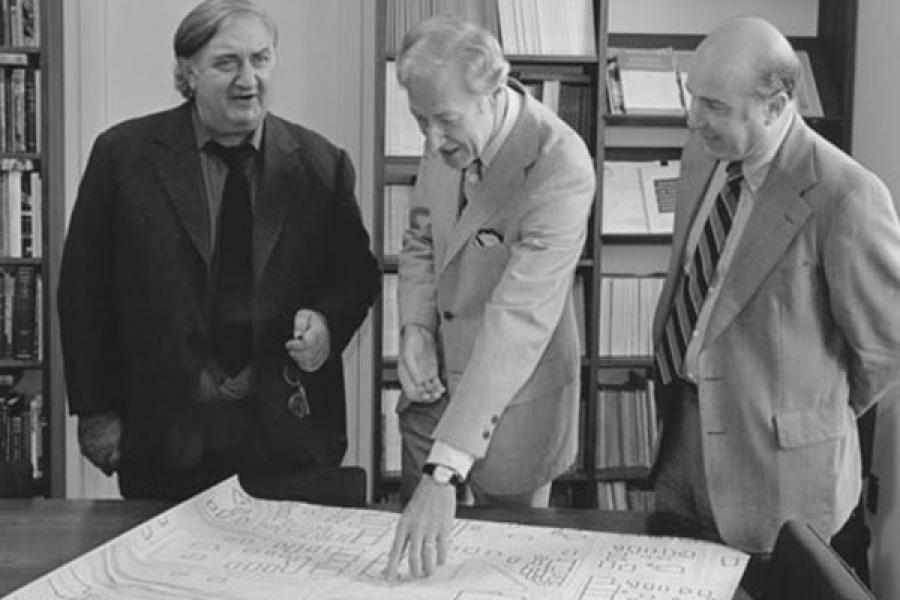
[(118, 64), (876, 144), (793, 17)]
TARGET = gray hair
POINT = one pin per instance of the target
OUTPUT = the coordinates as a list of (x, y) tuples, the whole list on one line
[(201, 25), (438, 42), (777, 74)]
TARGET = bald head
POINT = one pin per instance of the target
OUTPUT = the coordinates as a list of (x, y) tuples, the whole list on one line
[(752, 55), (742, 81)]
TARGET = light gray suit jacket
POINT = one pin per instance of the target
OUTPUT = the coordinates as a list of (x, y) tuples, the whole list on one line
[(503, 313), (805, 335)]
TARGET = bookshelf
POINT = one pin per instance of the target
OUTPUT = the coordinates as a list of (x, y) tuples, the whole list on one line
[(32, 420), (823, 29)]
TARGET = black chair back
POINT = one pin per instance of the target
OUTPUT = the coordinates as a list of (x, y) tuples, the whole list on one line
[(333, 486), (805, 567)]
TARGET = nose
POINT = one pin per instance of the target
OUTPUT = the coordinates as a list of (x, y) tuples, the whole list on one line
[(434, 135), (246, 74)]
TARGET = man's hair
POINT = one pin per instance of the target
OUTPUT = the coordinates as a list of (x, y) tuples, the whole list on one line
[(777, 74), (439, 42), (201, 24)]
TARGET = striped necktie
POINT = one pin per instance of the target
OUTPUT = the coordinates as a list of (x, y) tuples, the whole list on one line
[(691, 290)]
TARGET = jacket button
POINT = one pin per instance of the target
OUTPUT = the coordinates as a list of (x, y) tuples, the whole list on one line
[(448, 316), (494, 419), (486, 435)]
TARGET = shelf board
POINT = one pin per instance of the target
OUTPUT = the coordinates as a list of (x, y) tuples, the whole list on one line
[(624, 362), (13, 363), (622, 474), (645, 120), (633, 239), (9, 260), (400, 170)]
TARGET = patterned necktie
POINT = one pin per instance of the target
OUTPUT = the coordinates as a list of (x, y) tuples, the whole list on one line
[(691, 290), (472, 175), (232, 263)]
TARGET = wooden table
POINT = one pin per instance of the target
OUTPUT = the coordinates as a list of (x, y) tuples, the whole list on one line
[(38, 535)]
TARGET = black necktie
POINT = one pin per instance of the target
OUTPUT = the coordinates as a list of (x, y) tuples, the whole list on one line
[(690, 293), (232, 263)]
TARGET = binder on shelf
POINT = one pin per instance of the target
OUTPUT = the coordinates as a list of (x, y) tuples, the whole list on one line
[(639, 197), (402, 136), (396, 216), (649, 81), (390, 342), (391, 443)]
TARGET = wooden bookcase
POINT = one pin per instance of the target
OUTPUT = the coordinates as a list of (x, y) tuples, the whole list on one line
[(615, 137), (39, 372)]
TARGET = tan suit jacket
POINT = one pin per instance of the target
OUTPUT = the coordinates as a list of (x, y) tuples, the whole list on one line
[(804, 336), (496, 288)]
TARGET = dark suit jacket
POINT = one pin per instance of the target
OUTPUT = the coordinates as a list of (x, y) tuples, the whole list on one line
[(134, 284)]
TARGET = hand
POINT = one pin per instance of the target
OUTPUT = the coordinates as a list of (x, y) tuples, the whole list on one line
[(424, 529), (100, 439), (312, 342), (417, 367)]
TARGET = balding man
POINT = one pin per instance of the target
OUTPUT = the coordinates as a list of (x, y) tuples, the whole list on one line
[(778, 323)]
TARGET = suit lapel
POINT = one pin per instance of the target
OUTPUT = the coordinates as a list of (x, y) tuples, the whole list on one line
[(177, 164), (778, 215), (501, 181), (283, 178)]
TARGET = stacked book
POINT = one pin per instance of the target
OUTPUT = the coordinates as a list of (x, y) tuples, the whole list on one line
[(627, 304), (627, 429), (549, 27)]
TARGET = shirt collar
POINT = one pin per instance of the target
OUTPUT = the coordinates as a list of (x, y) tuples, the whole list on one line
[(756, 169), (202, 133), (513, 108)]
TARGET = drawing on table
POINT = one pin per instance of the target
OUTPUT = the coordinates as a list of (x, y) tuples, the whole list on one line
[(224, 544)]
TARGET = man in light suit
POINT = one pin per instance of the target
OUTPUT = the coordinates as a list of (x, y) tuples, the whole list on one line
[(165, 394), (498, 221), (761, 381)]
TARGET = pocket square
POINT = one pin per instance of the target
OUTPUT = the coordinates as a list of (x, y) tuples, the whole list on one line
[(488, 238)]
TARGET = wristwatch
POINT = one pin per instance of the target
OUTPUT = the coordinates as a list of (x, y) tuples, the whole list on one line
[(442, 475)]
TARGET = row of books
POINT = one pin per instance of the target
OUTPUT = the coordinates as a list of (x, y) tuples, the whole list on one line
[(639, 197), (21, 443), (564, 27), (21, 328), (549, 27), (616, 495), (652, 81), (627, 304), (20, 23), (20, 209), (627, 429), (403, 14)]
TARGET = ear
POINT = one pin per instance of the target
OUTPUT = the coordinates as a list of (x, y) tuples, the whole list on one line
[(775, 106), (188, 72)]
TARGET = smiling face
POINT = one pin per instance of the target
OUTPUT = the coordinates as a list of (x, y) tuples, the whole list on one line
[(456, 122), (724, 111), (231, 77)]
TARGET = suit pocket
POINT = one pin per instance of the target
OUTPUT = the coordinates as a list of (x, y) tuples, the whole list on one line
[(810, 427)]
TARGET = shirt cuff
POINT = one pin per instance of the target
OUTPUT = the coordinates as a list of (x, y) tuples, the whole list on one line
[(444, 454)]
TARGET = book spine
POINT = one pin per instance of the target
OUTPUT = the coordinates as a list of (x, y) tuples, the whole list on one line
[(24, 325)]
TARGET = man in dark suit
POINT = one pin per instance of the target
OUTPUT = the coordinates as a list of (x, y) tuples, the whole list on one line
[(778, 322), (204, 299)]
